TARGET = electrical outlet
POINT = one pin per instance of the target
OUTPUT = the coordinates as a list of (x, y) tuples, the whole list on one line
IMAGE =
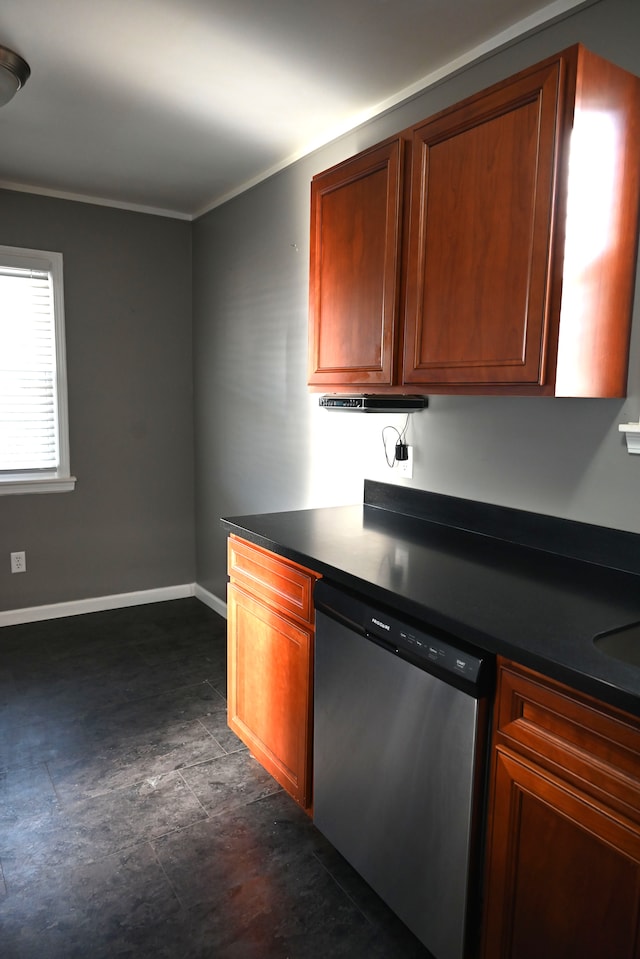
[(19, 562), (404, 468)]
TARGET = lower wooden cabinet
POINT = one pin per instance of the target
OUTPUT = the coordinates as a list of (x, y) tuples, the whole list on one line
[(270, 663), (563, 845)]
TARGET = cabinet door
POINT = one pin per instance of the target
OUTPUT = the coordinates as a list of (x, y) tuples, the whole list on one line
[(479, 237), (269, 690), (564, 873), (354, 271)]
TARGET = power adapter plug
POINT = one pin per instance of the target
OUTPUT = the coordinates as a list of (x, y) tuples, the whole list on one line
[(402, 453)]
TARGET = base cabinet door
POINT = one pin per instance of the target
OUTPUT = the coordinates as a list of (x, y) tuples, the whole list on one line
[(270, 632), (269, 696), (562, 863), (565, 872)]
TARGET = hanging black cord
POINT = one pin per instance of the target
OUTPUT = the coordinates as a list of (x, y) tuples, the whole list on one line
[(403, 435), (401, 442)]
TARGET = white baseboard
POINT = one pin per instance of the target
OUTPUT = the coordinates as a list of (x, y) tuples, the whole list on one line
[(213, 602), (34, 614)]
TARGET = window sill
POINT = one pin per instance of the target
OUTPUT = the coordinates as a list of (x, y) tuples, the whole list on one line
[(16, 483)]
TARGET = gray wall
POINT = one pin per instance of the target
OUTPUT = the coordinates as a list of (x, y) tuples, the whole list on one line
[(262, 444), (129, 524)]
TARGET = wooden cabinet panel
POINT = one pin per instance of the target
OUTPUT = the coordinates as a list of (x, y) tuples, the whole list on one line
[(564, 873), (287, 587), (597, 230), (562, 864), (354, 273), (270, 631), (269, 691), (483, 176), (515, 248), (573, 736)]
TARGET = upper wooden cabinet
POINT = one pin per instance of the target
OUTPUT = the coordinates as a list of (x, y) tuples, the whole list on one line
[(518, 244), (355, 260), (477, 291)]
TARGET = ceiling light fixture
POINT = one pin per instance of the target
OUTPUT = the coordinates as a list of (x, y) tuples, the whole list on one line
[(14, 73)]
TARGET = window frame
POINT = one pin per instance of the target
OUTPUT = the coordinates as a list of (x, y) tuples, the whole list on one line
[(57, 479)]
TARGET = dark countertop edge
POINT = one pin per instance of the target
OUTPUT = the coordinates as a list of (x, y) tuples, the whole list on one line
[(587, 542), (575, 678)]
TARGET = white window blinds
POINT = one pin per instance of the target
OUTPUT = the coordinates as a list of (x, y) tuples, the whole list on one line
[(33, 423), (28, 431)]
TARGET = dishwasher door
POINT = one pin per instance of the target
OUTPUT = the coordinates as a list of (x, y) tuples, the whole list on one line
[(395, 760)]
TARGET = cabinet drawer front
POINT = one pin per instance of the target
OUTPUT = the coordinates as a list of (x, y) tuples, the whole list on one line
[(279, 582), (591, 745)]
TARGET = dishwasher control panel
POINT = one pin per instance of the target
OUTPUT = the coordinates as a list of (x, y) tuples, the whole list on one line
[(423, 646), (429, 649)]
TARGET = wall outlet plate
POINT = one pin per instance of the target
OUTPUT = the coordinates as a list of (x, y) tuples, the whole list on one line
[(19, 562), (404, 468)]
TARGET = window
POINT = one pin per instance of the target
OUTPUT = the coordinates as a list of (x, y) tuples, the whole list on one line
[(34, 435)]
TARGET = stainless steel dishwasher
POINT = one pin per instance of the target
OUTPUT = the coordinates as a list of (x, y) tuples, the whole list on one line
[(400, 721)]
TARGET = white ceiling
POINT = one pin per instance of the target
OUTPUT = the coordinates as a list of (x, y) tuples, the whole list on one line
[(174, 105)]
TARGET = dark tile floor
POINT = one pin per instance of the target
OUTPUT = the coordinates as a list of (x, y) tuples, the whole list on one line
[(133, 823)]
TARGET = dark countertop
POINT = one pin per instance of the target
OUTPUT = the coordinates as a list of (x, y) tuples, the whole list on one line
[(449, 563)]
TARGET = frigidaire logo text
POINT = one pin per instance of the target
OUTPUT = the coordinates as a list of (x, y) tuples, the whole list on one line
[(378, 623)]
